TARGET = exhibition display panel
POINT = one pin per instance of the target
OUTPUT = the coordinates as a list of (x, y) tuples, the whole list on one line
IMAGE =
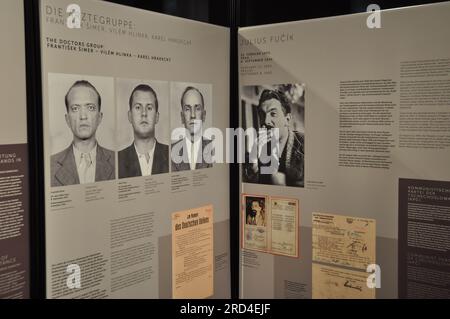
[(114, 90), (14, 177), (149, 156), (363, 115)]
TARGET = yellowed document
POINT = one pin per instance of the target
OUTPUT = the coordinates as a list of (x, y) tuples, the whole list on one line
[(342, 240), (192, 253), (284, 220), (338, 283)]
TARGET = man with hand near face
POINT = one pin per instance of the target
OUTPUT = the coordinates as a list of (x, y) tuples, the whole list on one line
[(146, 156), (274, 112), (84, 161), (191, 148)]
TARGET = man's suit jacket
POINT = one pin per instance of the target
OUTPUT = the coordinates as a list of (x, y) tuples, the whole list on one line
[(64, 171), (183, 166), (291, 163), (129, 161)]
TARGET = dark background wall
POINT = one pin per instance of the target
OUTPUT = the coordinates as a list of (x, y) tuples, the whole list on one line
[(211, 11), (257, 12)]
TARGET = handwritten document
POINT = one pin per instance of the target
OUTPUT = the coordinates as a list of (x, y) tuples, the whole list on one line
[(270, 225), (284, 226), (338, 283), (343, 241)]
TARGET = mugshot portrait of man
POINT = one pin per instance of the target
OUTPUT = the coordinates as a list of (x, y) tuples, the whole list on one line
[(145, 156), (191, 149), (274, 111), (84, 160)]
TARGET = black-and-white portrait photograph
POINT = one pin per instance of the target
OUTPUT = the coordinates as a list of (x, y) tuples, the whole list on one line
[(282, 107), (191, 114), (143, 131), (82, 129), (255, 211)]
